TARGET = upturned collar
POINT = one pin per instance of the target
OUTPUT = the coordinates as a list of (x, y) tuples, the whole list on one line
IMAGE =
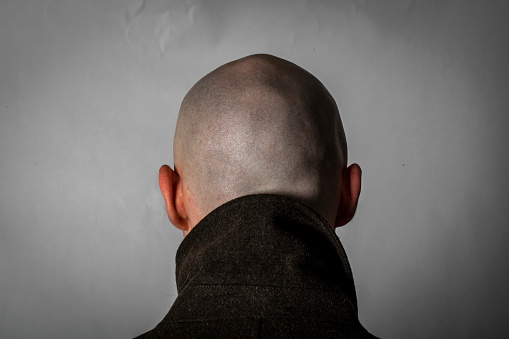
[(266, 240)]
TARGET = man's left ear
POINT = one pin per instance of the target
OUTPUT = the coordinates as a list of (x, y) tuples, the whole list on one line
[(350, 192), (170, 183)]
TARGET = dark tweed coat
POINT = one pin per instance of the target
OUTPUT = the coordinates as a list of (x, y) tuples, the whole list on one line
[(262, 266)]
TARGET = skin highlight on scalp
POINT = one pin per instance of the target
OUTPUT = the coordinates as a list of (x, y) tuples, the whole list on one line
[(260, 124)]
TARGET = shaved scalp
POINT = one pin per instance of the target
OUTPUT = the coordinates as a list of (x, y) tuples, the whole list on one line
[(260, 124)]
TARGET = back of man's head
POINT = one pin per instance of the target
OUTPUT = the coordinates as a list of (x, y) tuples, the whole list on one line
[(259, 124)]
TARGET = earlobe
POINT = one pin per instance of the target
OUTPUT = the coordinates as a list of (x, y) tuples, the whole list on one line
[(171, 187), (350, 192)]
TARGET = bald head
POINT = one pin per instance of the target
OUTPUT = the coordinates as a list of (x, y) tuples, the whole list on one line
[(260, 124)]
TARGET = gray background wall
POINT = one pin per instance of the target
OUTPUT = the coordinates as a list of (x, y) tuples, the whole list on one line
[(89, 95)]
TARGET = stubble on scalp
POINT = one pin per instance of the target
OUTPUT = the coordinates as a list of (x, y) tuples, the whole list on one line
[(260, 124)]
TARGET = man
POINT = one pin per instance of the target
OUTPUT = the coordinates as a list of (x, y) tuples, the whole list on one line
[(260, 182)]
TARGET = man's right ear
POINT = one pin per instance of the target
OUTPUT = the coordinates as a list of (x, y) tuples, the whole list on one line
[(171, 187), (350, 192)]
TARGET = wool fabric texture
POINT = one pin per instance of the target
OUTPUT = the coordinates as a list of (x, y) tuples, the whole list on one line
[(262, 266)]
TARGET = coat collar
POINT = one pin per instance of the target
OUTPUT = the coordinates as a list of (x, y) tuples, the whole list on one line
[(266, 240)]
